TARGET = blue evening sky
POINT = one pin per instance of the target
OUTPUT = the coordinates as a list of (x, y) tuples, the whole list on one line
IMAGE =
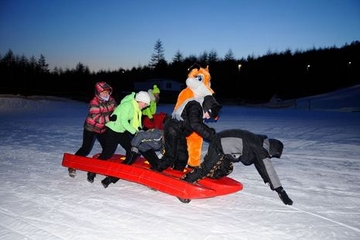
[(111, 34)]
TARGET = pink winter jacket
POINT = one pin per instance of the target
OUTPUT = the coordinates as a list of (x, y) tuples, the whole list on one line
[(99, 109)]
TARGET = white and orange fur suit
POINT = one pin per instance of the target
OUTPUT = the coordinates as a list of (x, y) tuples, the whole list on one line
[(198, 84)]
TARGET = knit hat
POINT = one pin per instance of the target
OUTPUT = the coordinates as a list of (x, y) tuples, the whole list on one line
[(143, 96), (155, 89), (211, 106)]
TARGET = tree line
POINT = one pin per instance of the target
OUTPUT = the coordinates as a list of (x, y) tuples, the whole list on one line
[(287, 74)]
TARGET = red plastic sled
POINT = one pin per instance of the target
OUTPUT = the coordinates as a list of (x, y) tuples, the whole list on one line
[(167, 181)]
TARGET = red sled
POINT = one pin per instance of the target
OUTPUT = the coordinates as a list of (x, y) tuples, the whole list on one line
[(167, 181)]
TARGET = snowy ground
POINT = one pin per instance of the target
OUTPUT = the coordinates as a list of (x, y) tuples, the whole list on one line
[(319, 169)]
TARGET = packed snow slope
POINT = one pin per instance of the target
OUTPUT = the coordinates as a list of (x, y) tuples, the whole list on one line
[(319, 170)]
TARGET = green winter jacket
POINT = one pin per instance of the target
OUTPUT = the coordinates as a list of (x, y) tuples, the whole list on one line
[(150, 110), (128, 116)]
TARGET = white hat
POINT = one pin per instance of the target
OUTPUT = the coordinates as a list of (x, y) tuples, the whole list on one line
[(143, 96)]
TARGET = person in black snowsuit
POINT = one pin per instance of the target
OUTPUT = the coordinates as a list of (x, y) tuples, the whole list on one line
[(187, 119), (236, 145)]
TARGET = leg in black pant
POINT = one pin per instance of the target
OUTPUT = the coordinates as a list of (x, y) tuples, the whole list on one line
[(151, 157), (109, 149), (86, 147), (124, 139), (107, 180)]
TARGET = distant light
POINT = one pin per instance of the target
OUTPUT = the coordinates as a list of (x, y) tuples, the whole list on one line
[(239, 67)]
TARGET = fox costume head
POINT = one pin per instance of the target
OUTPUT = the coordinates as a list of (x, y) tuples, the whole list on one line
[(199, 81)]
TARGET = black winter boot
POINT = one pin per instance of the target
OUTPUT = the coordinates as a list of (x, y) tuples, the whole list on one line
[(194, 176), (152, 158), (91, 177), (190, 178), (131, 159), (283, 196), (159, 167), (105, 182), (114, 179), (72, 172)]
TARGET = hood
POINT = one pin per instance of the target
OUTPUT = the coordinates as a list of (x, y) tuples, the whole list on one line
[(102, 86), (276, 148), (128, 98), (211, 106)]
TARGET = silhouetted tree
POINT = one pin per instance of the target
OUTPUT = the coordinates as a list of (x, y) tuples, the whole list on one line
[(213, 57), (178, 57), (229, 55), (43, 66), (157, 58), (203, 58), (288, 74)]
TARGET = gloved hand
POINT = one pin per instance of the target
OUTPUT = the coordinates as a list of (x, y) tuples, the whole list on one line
[(151, 119), (215, 142), (230, 158), (113, 118), (212, 135), (134, 150), (213, 131), (283, 196)]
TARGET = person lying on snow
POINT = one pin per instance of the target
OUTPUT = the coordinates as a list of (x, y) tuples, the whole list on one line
[(236, 145)]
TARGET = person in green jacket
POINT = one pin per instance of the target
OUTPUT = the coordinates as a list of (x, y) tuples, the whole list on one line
[(152, 119), (124, 122), (154, 94)]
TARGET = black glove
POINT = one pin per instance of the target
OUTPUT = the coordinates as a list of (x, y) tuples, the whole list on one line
[(113, 118), (231, 158), (212, 135), (151, 119), (212, 130), (283, 196)]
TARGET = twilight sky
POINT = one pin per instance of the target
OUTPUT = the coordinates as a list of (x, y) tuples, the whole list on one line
[(112, 34)]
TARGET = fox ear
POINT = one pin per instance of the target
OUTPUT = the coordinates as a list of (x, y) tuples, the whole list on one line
[(195, 65)]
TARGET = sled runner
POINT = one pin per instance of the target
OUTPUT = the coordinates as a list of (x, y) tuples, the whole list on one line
[(167, 181)]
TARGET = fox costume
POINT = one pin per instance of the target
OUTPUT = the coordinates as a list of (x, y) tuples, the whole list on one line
[(198, 84)]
